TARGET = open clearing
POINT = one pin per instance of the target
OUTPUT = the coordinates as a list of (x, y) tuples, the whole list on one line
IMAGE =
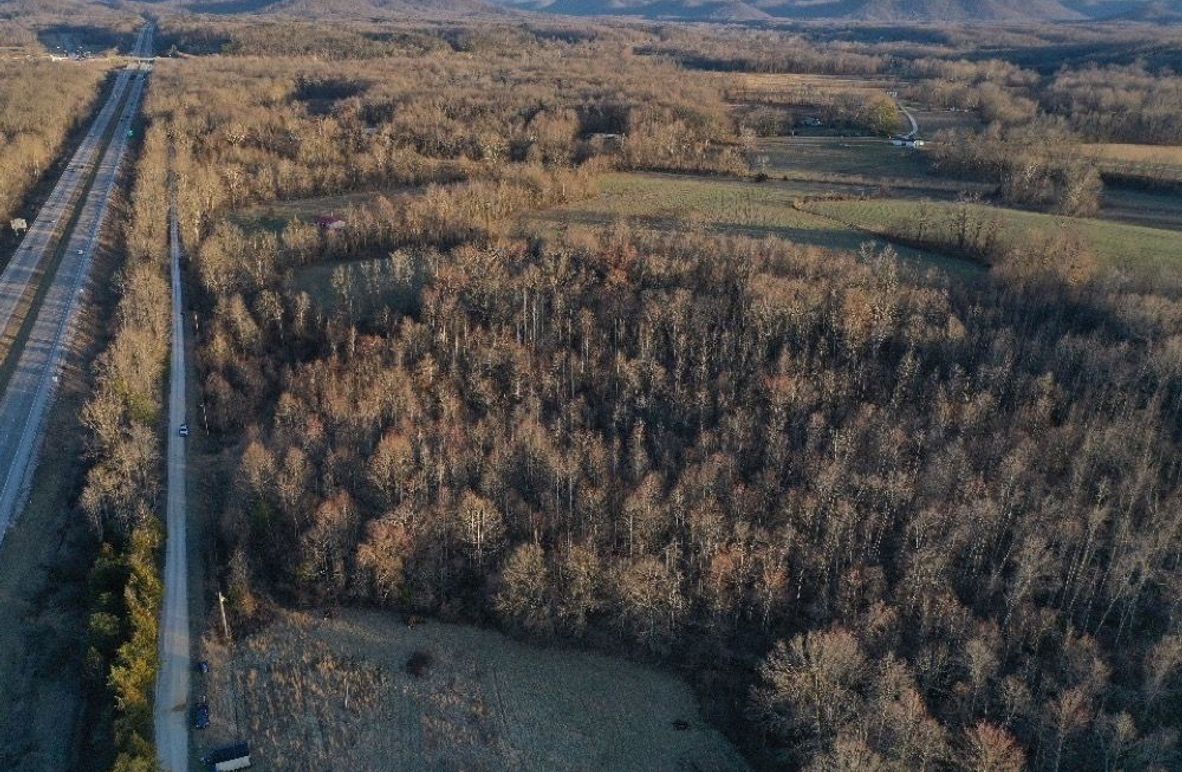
[(800, 88), (275, 215), (1145, 251), (1158, 161), (316, 694), (737, 207), (1153, 210), (852, 165)]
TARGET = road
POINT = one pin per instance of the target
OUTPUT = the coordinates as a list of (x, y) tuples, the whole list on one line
[(79, 204), (911, 118), (27, 261), (172, 680)]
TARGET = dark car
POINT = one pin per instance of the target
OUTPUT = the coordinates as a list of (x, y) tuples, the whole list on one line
[(201, 715)]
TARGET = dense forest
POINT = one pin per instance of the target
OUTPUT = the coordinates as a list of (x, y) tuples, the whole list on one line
[(883, 517)]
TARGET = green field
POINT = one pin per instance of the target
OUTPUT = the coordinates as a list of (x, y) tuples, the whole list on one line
[(1149, 252), (869, 160), (856, 166), (666, 201)]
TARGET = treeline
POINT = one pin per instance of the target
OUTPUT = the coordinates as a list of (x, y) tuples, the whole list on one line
[(1120, 104), (1036, 166), (122, 492), (41, 102), (266, 129)]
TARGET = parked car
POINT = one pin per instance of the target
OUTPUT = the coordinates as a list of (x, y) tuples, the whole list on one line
[(184, 432), (201, 715)]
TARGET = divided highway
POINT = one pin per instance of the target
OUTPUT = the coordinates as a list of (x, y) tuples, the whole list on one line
[(79, 203), (39, 240), (172, 680)]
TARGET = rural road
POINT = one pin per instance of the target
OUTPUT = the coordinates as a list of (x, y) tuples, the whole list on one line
[(172, 680), (911, 119), (42, 336)]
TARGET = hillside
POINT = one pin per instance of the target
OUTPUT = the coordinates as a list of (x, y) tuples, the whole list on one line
[(342, 9), (867, 10)]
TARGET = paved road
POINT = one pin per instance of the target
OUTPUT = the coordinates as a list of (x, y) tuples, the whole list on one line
[(32, 385), (26, 264), (172, 682)]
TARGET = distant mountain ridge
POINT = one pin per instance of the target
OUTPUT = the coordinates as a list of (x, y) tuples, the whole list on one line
[(867, 10)]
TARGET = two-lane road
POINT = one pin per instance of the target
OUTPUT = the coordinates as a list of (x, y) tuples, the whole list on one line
[(172, 680)]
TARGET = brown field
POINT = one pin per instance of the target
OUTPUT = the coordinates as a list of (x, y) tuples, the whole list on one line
[(760, 86), (316, 694), (1135, 154), (1157, 162)]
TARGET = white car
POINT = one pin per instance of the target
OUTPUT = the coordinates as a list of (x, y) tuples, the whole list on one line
[(184, 430)]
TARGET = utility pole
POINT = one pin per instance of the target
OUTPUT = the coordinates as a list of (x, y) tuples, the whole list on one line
[(225, 624)]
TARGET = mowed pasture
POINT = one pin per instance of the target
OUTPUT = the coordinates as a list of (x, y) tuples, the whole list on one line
[(866, 164), (1138, 250), (933, 120), (315, 694), (872, 161), (1138, 207), (737, 207)]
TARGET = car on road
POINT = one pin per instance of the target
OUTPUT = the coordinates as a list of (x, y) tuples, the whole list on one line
[(79, 251), (184, 431)]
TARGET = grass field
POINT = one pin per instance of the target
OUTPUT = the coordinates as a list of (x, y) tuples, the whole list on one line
[(851, 166), (816, 158), (667, 201), (316, 694), (1137, 207), (1145, 251), (932, 120), (745, 86)]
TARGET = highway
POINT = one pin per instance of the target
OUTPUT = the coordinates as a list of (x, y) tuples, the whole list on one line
[(172, 680), (69, 224), (26, 263)]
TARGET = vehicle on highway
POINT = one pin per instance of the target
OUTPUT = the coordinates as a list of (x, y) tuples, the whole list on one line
[(184, 431), (79, 251)]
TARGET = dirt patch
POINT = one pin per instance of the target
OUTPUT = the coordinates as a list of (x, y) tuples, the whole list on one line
[(310, 693)]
